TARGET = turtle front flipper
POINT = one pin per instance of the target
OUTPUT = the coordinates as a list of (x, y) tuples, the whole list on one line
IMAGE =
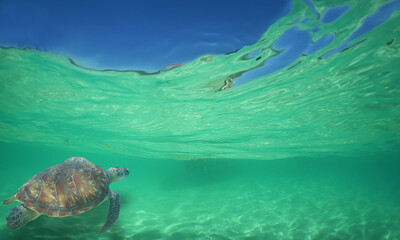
[(113, 211), (19, 216)]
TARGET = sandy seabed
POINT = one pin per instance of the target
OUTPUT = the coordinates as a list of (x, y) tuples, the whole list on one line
[(237, 208)]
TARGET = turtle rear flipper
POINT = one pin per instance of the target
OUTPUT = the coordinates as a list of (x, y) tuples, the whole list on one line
[(113, 211), (19, 216), (9, 200)]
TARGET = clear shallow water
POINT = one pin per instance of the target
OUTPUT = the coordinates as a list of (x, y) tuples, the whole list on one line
[(325, 111), (298, 198)]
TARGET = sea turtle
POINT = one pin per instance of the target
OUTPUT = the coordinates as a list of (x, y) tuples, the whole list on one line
[(69, 188)]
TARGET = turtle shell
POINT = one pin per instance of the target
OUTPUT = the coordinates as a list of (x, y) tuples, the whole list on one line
[(66, 189)]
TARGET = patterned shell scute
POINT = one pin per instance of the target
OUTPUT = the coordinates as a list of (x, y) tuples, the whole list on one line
[(66, 189)]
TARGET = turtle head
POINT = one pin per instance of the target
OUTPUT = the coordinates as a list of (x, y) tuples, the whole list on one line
[(117, 173)]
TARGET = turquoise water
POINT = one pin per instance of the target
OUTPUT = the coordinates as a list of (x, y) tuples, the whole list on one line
[(304, 145)]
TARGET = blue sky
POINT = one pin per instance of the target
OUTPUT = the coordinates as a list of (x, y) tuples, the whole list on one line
[(141, 35)]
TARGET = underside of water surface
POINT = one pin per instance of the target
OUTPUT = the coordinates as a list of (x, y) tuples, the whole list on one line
[(318, 94)]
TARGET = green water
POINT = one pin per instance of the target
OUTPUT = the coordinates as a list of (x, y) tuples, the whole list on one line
[(310, 151)]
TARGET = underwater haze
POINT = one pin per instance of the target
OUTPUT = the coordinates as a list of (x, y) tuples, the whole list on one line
[(296, 136)]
